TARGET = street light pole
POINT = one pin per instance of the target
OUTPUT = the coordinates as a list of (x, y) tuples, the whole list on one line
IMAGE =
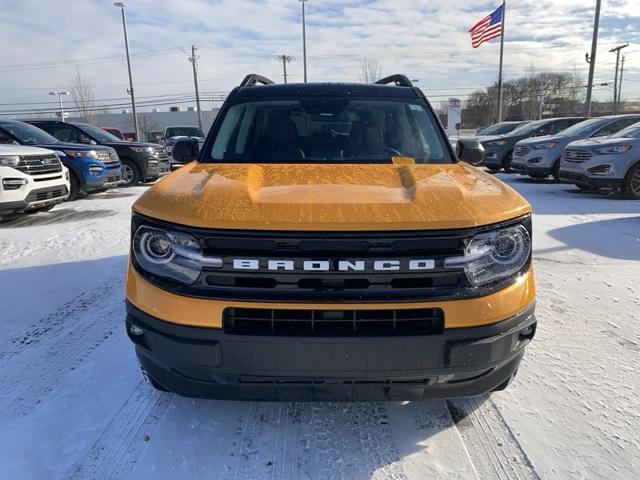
[(592, 59), (194, 62), (616, 50), (59, 94), (304, 39), (121, 6)]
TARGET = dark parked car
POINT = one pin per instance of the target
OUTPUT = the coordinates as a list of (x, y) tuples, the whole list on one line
[(499, 148), (91, 167), (141, 162), (501, 128)]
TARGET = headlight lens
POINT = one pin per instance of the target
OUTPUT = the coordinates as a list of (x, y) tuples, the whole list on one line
[(169, 254), (9, 160), (495, 143), (493, 256), (545, 146), (143, 149), (613, 149), (81, 153)]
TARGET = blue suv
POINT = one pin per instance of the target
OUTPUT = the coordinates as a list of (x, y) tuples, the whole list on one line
[(91, 167)]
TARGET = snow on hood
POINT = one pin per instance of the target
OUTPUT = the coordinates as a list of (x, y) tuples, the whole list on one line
[(22, 150)]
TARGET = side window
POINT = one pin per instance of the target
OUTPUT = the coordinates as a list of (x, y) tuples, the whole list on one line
[(557, 127), (543, 130), (5, 138)]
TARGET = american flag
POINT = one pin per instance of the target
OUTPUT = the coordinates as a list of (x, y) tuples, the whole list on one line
[(488, 28)]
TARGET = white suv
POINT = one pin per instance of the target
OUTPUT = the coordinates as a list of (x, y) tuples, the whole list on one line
[(31, 179)]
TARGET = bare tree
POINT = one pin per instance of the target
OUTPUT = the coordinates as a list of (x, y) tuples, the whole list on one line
[(146, 125), (371, 70), (83, 98)]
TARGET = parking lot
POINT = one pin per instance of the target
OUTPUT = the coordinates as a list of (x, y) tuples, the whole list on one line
[(75, 405)]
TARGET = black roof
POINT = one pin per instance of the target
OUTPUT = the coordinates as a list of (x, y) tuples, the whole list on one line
[(323, 90)]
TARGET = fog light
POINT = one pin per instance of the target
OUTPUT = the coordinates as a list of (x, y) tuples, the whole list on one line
[(136, 331), (13, 183), (535, 160), (95, 169), (600, 170)]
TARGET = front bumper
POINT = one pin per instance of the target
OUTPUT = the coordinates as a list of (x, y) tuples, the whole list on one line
[(582, 179), (494, 157), (206, 362), (536, 162)]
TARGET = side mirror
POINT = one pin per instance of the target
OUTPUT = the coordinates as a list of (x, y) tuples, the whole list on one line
[(186, 150), (470, 151)]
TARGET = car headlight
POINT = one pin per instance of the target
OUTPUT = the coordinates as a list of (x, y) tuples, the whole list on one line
[(81, 153), (493, 256), (170, 254), (545, 146), (143, 149), (495, 143), (9, 160), (613, 149)]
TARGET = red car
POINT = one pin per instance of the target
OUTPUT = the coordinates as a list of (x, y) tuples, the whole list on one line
[(116, 132)]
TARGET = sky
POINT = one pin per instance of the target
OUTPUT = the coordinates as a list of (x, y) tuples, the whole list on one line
[(46, 42)]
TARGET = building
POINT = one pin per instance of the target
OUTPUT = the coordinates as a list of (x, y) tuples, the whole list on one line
[(152, 124)]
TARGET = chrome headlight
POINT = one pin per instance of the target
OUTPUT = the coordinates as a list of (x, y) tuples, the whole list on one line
[(143, 149), (493, 256), (82, 153), (170, 254), (614, 149), (545, 146), (9, 160), (495, 143)]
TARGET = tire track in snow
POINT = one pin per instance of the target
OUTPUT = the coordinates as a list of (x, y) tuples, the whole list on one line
[(116, 452), (55, 346), (493, 448)]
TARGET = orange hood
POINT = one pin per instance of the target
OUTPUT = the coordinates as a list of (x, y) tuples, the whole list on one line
[(331, 197)]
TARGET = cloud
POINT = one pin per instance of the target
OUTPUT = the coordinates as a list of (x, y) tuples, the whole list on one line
[(426, 39)]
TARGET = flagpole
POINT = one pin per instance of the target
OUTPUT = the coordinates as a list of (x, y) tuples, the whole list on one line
[(504, 16)]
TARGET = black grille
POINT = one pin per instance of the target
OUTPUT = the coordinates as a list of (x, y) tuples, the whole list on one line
[(50, 193), (332, 323), (39, 164), (367, 284), (521, 151)]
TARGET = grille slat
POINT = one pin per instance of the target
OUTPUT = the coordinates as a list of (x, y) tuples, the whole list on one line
[(576, 156), (331, 323), (39, 164), (521, 151)]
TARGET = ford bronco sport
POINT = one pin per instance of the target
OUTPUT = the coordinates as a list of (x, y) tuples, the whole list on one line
[(326, 243)]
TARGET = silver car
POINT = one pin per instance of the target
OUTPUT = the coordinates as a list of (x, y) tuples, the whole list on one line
[(612, 162), (540, 157)]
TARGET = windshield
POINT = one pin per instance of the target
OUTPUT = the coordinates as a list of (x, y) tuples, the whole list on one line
[(97, 133), (28, 134), (500, 128), (329, 130), (630, 132), (528, 128), (183, 132), (583, 129)]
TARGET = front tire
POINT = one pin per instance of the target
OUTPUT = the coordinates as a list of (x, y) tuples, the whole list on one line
[(74, 187), (130, 173), (508, 160), (631, 183), (555, 171)]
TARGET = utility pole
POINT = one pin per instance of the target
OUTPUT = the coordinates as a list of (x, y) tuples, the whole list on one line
[(616, 50), (121, 6), (620, 81), (284, 59), (194, 63), (591, 60), (504, 14), (304, 39)]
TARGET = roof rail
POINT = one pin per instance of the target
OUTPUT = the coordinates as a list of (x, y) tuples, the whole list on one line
[(398, 79), (254, 78)]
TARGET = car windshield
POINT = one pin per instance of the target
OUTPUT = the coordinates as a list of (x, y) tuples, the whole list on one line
[(528, 128), (97, 133), (329, 130), (28, 134), (630, 132), (500, 128), (183, 132), (583, 129)]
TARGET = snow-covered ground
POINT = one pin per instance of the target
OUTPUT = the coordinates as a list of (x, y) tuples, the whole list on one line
[(73, 404)]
